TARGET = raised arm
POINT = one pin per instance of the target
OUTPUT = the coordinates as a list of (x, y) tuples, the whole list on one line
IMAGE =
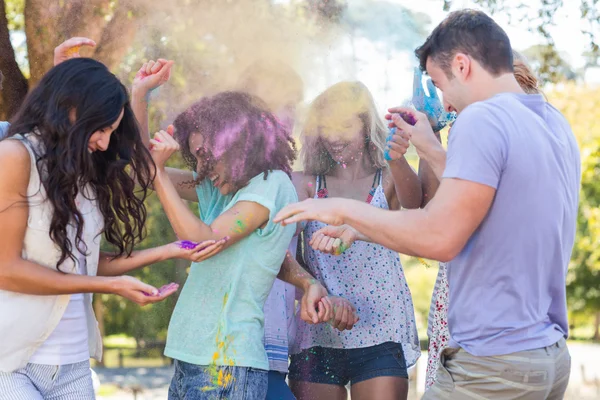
[(406, 183), (23, 276), (151, 76)]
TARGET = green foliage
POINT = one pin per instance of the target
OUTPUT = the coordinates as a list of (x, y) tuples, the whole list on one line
[(584, 273)]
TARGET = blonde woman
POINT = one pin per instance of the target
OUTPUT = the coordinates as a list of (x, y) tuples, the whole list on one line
[(343, 145)]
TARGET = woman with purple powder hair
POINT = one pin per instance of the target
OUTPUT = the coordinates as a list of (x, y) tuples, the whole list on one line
[(240, 159)]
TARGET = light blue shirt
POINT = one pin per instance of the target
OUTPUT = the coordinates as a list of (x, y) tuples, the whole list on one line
[(219, 318), (508, 284), (3, 129)]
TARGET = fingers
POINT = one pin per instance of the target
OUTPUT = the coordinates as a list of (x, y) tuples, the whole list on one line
[(209, 251), (329, 245), (401, 123), (167, 139), (326, 303), (432, 90), (79, 41), (290, 215), (171, 130), (149, 67), (418, 91), (155, 67)]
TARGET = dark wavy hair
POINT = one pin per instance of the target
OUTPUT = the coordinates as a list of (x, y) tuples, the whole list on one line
[(239, 130), (97, 97)]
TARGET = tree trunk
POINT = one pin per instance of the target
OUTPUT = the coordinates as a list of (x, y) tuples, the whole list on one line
[(50, 22), (14, 85)]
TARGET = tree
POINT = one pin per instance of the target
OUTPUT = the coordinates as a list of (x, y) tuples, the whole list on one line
[(540, 17), (47, 23)]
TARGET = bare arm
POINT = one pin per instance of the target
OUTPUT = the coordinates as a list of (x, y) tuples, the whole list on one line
[(438, 232), (236, 223), (293, 273), (149, 77), (110, 266), (407, 185), (17, 274), (27, 277), (430, 181)]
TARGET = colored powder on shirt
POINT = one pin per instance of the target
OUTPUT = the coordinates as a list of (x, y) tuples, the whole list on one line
[(219, 377)]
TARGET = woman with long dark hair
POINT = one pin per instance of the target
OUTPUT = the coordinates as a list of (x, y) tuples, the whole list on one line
[(68, 173)]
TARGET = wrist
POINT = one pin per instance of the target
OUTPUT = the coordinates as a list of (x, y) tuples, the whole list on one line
[(107, 284), (307, 282), (140, 94), (433, 153)]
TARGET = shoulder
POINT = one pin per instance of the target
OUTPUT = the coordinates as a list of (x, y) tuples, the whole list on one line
[(304, 184), (15, 164)]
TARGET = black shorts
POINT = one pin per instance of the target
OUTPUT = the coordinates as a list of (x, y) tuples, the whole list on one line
[(343, 366)]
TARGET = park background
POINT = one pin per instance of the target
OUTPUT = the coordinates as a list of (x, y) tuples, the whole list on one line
[(326, 41)]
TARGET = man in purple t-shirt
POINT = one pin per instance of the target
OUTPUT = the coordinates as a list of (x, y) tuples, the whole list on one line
[(504, 217)]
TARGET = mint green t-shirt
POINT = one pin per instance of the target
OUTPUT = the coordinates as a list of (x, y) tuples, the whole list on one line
[(219, 316)]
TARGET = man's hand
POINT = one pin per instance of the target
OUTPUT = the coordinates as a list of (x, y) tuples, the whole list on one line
[(430, 105), (334, 239), (70, 49), (152, 75), (421, 135), (328, 211)]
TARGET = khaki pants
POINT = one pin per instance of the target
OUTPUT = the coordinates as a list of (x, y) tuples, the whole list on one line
[(527, 375)]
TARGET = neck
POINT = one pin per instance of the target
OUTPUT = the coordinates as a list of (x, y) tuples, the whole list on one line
[(354, 169), (506, 83)]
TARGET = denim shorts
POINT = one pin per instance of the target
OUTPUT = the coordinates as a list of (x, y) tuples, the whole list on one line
[(343, 366), (201, 382), (278, 389)]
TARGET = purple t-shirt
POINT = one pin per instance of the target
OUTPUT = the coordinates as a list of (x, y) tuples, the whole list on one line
[(508, 284)]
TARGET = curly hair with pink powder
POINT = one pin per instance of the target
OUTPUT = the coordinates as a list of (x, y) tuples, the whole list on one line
[(239, 131)]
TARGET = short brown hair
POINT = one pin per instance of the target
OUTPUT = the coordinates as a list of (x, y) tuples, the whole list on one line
[(473, 33)]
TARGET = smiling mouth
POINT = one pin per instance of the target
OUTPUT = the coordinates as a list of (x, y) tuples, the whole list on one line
[(338, 148), (214, 178)]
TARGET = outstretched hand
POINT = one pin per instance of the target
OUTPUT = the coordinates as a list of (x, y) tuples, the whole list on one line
[(196, 252), (328, 211), (143, 294), (70, 48)]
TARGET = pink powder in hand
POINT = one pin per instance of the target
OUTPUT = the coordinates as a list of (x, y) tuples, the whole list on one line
[(164, 289)]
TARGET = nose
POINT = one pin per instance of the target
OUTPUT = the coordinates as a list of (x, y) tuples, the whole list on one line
[(103, 142), (448, 107)]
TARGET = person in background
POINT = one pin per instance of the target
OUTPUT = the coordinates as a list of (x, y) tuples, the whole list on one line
[(66, 50)]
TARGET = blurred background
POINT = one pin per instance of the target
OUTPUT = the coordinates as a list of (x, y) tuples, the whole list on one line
[(325, 41)]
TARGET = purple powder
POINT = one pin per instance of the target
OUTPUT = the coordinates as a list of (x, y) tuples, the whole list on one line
[(408, 118), (187, 245)]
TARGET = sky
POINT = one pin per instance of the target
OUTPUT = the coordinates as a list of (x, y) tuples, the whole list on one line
[(569, 39)]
